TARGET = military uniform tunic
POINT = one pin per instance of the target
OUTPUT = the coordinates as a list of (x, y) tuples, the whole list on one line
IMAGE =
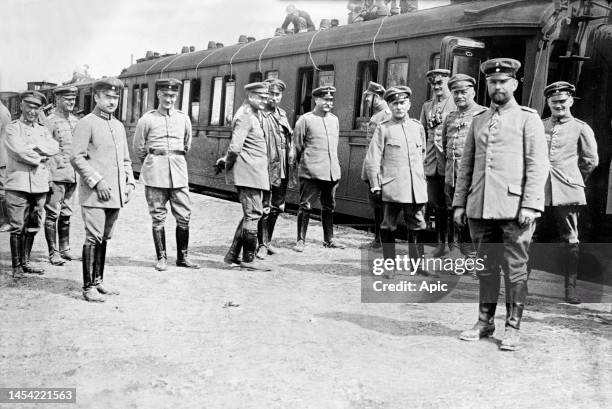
[(433, 114), (316, 144), (61, 128), (278, 137)]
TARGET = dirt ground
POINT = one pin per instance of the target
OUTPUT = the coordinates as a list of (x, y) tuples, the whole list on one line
[(297, 337)]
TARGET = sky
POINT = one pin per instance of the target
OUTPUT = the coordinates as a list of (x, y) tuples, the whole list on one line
[(44, 40)]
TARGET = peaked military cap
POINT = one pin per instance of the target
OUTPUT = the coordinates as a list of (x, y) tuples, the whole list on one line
[(558, 88), (375, 89), (500, 68), (108, 84), (431, 74), (276, 84), (325, 91), (257, 87), (66, 91), (33, 97), (397, 93), (461, 81), (168, 84)]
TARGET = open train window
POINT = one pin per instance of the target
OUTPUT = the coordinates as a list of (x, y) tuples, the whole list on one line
[(230, 92), (88, 101), (124, 105), (326, 76), (186, 88), (215, 103), (194, 101), (306, 83), (144, 91), (255, 77), (272, 75), (464, 56), (366, 71), (397, 72), (135, 103)]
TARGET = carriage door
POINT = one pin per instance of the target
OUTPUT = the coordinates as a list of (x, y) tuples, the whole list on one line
[(463, 55)]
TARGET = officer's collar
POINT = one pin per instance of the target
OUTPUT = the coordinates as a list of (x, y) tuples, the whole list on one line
[(503, 108), (23, 121), (562, 120), (171, 112), (104, 115), (401, 121)]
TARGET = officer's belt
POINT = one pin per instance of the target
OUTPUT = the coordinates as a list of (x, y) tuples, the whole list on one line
[(163, 152)]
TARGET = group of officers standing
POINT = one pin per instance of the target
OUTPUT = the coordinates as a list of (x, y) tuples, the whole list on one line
[(486, 173)]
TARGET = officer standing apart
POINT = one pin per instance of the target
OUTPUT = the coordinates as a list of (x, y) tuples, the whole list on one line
[(433, 113), (29, 147), (62, 186), (316, 145), (375, 93), (161, 140), (454, 130), (5, 118), (278, 134), (500, 189), (246, 162), (394, 164), (100, 156), (572, 151)]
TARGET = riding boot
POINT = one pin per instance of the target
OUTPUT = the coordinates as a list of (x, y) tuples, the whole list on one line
[(63, 230), (28, 242), (453, 232), (388, 247), (4, 216), (233, 254), (262, 237), (16, 249), (416, 251), (51, 237), (182, 244), (249, 245), (571, 273), (441, 229), (272, 217), (99, 270), (378, 218), (516, 302), (89, 266), (302, 228), (327, 219), (487, 304), (159, 240)]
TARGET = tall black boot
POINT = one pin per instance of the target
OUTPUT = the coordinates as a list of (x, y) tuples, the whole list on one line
[(378, 218), (182, 244), (89, 266), (4, 215), (233, 254), (16, 243), (441, 232), (515, 304), (262, 237), (416, 251), (388, 247), (302, 228), (28, 242), (63, 230), (51, 237), (99, 270), (272, 218), (571, 273), (159, 240), (453, 231), (327, 219), (487, 304), (249, 244)]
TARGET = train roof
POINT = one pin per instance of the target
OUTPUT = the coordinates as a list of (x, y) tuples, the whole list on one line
[(444, 19)]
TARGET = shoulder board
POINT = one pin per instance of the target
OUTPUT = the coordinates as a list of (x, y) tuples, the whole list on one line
[(180, 112), (14, 121), (386, 121), (150, 112), (480, 111), (282, 112), (529, 109), (334, 116), (581, 122), (416, 121)]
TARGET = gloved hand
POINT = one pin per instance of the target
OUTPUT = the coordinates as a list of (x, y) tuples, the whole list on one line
[(219, 165)]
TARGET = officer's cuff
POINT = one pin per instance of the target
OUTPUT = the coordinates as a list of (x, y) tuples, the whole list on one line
[(93, 180)]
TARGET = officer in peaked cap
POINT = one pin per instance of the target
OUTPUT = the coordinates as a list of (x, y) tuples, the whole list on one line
[(161, 141), (316, 137), (59, 204), (454, 130), (433, 113), (374, 94), (101, 157), (407, 191), (572, 151), (29, 147), (500, 190), (278, 134), (246, 162)]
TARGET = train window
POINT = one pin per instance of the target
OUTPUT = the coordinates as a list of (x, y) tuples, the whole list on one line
[(144, 98), (435, 61), (464, 55), (366, 71), (304, 99), (255, 77), (124, 106), (135, 103), (88, 101), (185, 97), (194, 101), (230, 91), (215, 111), (272, 74), (326, 76), (397, 72)]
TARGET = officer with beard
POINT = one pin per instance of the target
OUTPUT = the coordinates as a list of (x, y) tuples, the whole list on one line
[(500, 190)]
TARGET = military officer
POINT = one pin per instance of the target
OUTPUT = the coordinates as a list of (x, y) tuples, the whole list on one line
[(278, 135), (433, 113), (161, 140), (29, 147), (101, 158), (316, 144), (246, 162), (5, 118), (62, 185), (500, 188), (375, 92), (394, 164), (572, 151), (454, 130)]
